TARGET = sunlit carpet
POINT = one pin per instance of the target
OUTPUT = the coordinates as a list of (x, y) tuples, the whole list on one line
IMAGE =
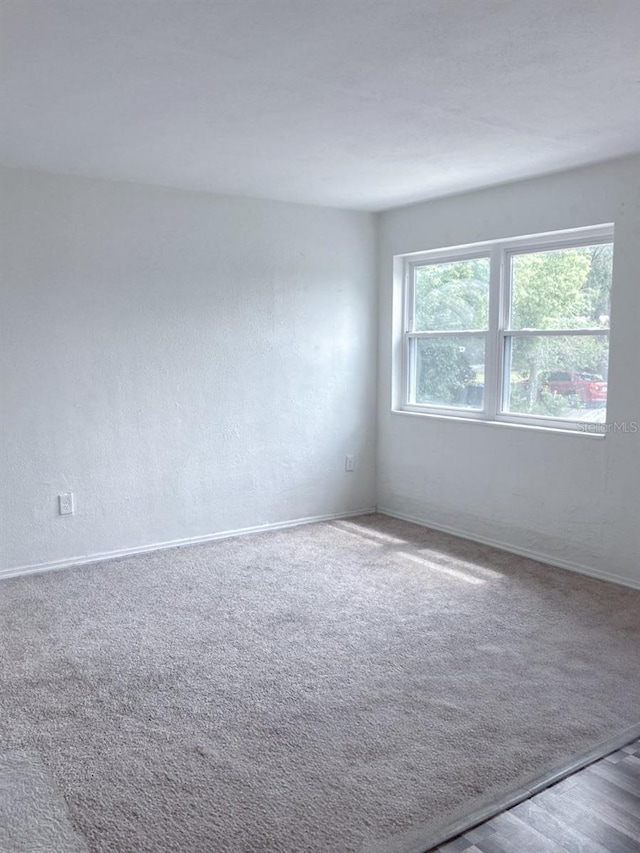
[(343, 687)]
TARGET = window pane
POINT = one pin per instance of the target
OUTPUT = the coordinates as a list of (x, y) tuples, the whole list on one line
[(452, 296), (562, 288), (448, 371), (559, 376)]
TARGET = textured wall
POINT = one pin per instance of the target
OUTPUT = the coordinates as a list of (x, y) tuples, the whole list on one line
[(570, 498), (184, 363)]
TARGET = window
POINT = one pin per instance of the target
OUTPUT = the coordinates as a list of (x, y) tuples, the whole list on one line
[(515, 330)]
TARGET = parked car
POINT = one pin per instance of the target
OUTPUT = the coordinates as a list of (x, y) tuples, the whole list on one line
[(589, 388)]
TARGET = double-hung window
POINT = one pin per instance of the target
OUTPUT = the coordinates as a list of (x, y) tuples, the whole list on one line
[(513, 330)]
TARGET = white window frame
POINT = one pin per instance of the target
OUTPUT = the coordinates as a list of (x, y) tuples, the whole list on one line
[(499, 253)]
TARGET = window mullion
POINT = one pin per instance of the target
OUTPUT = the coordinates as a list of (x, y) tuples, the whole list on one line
[(408, 378), (492, 354)]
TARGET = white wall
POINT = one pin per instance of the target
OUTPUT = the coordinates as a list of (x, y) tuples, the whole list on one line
[(184, 363), (572, 499), (190, 364)]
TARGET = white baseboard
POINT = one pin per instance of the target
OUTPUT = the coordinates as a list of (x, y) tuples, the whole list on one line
[(175, 543), (513, 549), (281, 525)]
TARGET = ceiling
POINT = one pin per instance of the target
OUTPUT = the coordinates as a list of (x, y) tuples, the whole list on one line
[(354, 103)]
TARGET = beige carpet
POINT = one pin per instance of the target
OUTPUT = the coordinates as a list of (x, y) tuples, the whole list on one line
[(33, 815), (341, 687)]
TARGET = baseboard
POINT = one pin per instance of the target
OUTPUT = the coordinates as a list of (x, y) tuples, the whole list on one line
[(281, 525), (513, 549), (175, 543)]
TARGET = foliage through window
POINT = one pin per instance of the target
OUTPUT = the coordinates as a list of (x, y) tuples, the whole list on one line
[(515, 330)]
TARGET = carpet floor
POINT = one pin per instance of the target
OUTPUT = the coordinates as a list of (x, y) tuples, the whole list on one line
[(346, 686)]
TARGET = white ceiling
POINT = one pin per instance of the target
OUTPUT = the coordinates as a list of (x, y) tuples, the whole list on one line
[(355, 103)]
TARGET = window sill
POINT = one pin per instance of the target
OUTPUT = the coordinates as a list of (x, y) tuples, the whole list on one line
[(585, 433)]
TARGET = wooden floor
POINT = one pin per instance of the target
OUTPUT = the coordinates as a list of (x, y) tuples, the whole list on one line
[(597, 810)]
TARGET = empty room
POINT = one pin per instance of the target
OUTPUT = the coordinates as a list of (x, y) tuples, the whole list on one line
[(319, 426)]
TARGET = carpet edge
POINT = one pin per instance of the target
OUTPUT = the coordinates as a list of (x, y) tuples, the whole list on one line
[(485, 807)]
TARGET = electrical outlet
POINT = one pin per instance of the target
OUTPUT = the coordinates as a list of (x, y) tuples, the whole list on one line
[(65, 504), (349, 463)]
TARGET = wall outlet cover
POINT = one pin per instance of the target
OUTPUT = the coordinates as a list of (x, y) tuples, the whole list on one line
[(65, 504)]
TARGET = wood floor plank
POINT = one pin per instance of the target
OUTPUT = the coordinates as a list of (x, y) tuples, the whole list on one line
[(617, 807), (616, 756), (630, 765), (458, 845), (564, 786), (589, 824), (480, 832), (517, 837), (615, 774), (490, 845), (611, 788), (557, 830), (447, 848)]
